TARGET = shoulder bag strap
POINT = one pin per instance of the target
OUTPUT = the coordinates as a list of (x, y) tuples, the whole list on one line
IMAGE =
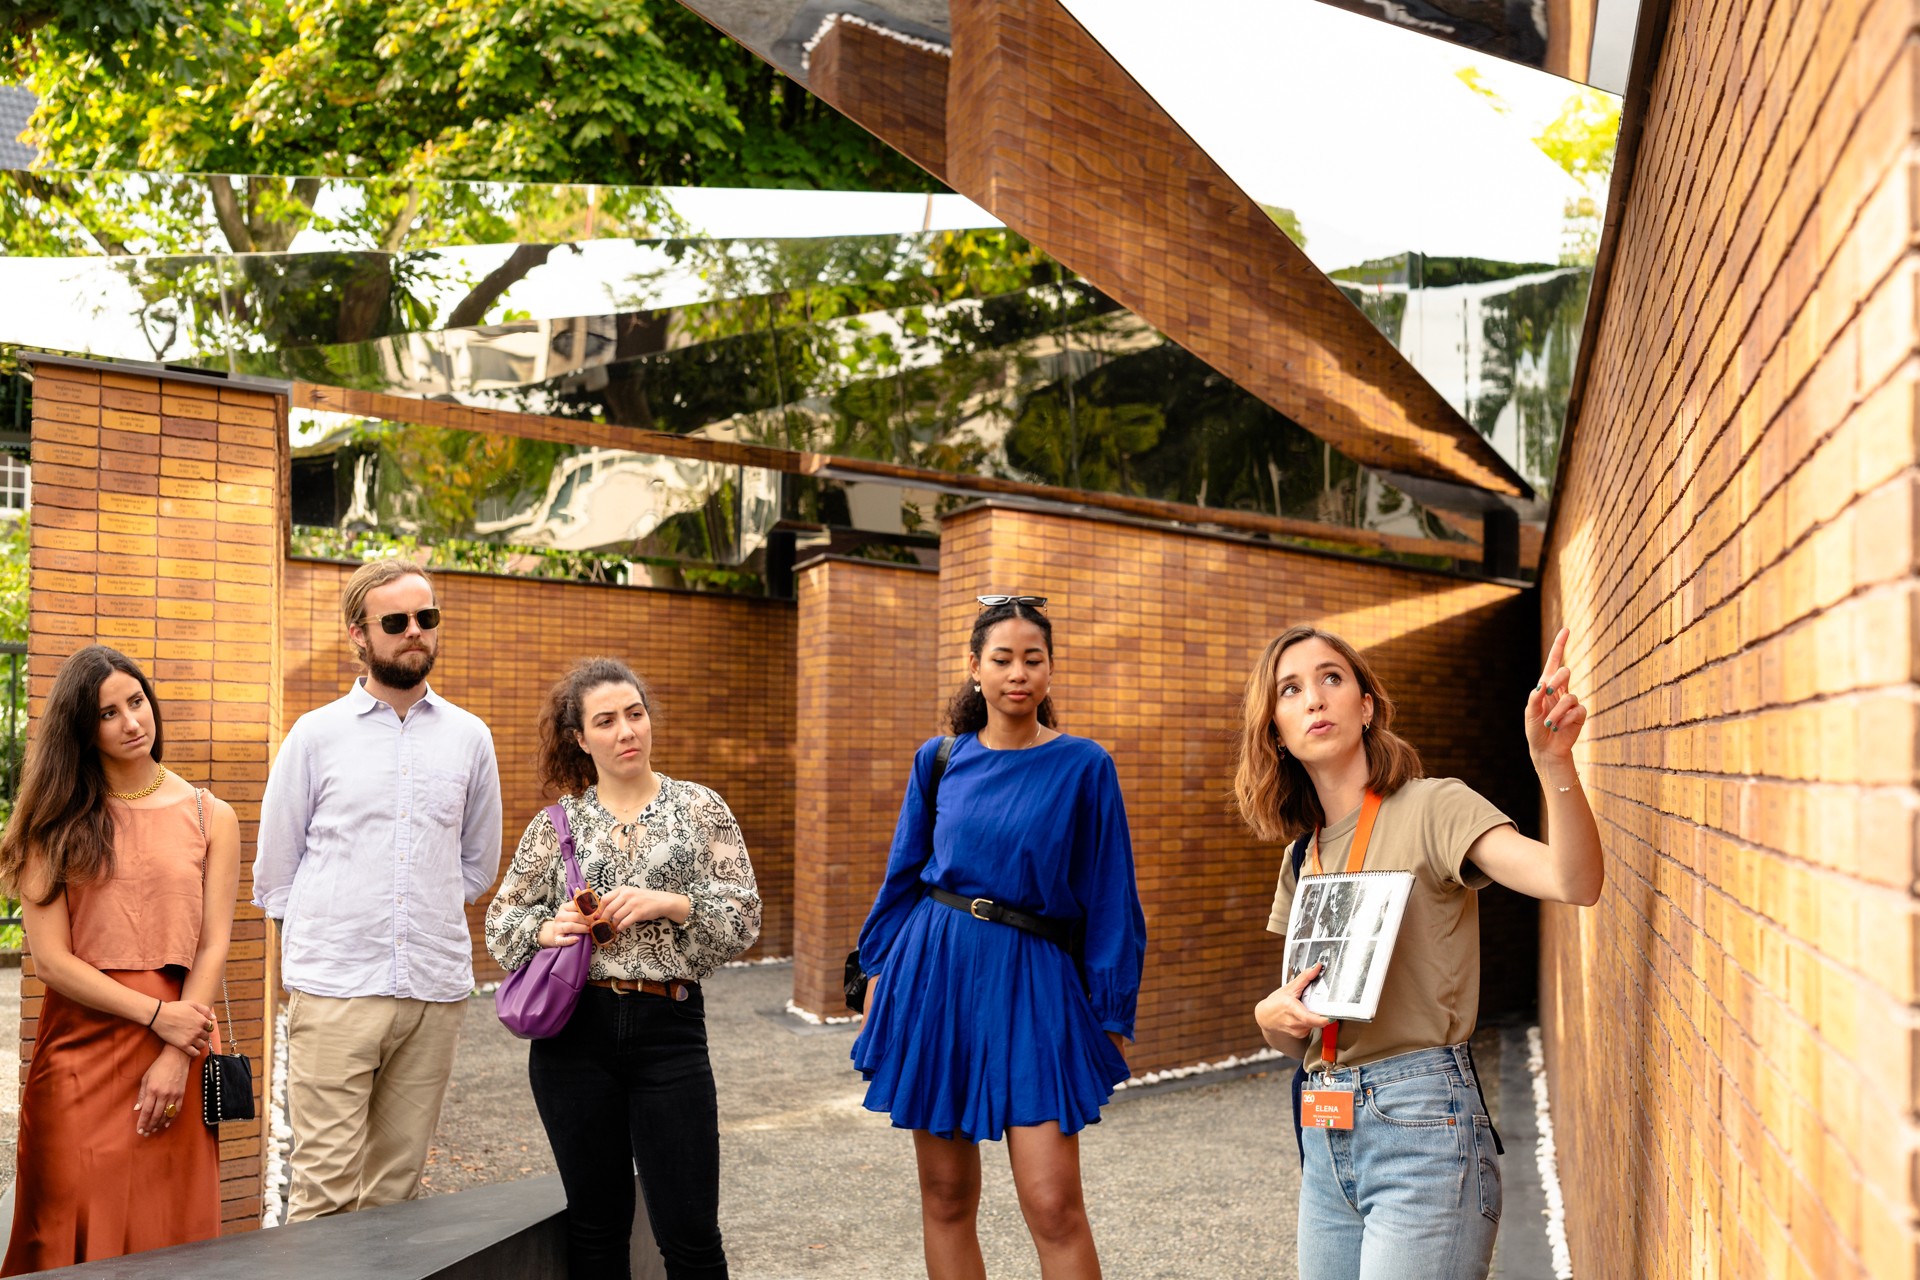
[(557, 815), (940, 759), (200, 813)]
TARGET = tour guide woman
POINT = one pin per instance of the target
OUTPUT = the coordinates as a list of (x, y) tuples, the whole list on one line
[(979, 1022), (126, 875), (628, 1078), (1407, 1182)]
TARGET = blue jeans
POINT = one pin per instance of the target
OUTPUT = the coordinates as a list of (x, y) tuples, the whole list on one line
[(1413, 1189)]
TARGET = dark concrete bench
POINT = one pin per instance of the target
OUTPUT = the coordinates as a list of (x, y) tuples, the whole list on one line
[(507, 1231)]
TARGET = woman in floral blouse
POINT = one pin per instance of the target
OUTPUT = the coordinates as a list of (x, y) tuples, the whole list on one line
[(676, 900)]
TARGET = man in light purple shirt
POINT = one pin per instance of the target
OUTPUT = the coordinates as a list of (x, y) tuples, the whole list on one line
[(381, 819)]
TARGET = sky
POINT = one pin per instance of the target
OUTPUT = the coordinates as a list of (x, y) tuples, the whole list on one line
[(1363, 129)]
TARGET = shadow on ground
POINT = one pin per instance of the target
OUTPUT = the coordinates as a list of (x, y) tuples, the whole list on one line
[(1200, 1182)]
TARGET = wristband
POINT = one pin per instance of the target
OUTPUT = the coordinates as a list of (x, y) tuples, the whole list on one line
[(158, 1005)]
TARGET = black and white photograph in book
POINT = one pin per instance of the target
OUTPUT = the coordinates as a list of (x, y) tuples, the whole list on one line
[(1348, 923)]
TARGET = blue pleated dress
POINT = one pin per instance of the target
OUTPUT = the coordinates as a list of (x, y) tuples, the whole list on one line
[(976, 1026)]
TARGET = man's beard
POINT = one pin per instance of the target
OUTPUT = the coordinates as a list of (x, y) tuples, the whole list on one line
[(394, 674)]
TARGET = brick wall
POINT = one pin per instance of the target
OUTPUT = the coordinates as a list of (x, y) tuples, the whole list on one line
[(1154, 634), (895, 89), (1731, 1031), (721, 669), (156, 530), (870, 692)]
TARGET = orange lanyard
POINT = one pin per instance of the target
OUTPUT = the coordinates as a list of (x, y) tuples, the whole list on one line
[(1356, 858)]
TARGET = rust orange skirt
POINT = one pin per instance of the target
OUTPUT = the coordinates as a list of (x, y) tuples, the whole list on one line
[(89, 1186)]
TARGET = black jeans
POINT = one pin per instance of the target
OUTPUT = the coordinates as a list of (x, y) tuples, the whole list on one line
[(628, 1078)]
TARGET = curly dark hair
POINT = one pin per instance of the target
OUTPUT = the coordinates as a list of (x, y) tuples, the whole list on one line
[(967, 712), (565, 767)]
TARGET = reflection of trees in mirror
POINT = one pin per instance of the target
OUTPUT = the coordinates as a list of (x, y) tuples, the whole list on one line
[(1163, 424), (209, 257), (1513, 378), (506, 504), (316, 543), (1531, 335)]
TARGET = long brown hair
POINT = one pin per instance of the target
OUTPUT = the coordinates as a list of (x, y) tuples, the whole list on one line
[(62, 819), (565, 766), (1275, 796)]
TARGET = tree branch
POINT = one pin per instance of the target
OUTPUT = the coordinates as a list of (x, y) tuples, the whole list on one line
[(226, 208), (473, 308)]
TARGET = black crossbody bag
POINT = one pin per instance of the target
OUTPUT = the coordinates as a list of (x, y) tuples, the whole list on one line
[(854, 979), (226, 1082)]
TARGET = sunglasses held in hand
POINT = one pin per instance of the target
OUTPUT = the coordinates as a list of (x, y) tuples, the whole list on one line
[(394, 623), (587, 903)]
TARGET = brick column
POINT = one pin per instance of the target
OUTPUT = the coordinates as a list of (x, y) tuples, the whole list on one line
[(159, 528), (872, 678)]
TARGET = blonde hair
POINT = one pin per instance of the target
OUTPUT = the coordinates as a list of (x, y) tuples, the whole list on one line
[(374, 573), (1273, 792)]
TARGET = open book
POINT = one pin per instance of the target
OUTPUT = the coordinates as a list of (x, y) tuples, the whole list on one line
[(1347, 922)]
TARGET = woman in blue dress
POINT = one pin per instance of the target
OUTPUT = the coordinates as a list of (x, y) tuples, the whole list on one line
[(1005, 947)]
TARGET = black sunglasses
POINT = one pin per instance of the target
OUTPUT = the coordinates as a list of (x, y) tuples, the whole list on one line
[(994, 602), (394, 623)]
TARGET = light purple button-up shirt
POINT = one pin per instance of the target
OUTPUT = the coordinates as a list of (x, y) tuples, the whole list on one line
[(374, 832)]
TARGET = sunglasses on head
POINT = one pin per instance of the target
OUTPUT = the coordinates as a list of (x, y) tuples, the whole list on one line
[(394, 623), (994, 602), (587, 903)]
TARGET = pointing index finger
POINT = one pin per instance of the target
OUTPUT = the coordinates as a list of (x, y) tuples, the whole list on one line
[(1556, 655)]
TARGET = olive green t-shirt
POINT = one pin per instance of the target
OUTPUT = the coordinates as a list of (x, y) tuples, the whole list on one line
[(1432, 994)]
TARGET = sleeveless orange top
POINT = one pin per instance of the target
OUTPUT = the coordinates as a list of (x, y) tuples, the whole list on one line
[(147, 914)]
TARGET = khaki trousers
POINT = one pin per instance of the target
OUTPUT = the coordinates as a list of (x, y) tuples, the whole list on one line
[(365, 1079)]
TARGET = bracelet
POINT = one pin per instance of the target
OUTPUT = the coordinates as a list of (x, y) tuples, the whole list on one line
[(158, 1005)]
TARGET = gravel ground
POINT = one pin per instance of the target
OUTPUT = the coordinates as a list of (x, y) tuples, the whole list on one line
[(1195, 1182)]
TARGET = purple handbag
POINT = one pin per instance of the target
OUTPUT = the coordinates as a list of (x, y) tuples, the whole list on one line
[(537, 998)]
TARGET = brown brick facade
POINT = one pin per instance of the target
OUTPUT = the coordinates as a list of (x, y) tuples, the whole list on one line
[(869, 670), (1156, 632), (894, 89), (721, 669), (1731, 1031), (156, 530)]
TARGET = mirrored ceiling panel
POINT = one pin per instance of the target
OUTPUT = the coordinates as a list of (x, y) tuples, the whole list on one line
[(100, 213), (1009, 370)]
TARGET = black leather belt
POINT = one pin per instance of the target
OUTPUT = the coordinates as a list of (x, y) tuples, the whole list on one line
[(1058, 932)]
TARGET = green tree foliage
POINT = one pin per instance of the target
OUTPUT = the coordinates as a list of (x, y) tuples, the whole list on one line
[(431, 99), (637, 93)]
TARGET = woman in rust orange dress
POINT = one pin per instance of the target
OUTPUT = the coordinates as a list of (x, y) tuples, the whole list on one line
[(127, 876)]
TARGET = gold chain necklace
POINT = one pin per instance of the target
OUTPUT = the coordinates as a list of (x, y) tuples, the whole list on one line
[(159, 776)]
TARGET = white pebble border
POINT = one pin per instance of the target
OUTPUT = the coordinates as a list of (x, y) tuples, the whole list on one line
[(273, 1209), (1200, 1068), (813, 1019), (1544, 1154), (826, 25), (754, 964)]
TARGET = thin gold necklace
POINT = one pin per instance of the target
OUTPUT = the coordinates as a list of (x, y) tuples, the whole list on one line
[(159, 776)]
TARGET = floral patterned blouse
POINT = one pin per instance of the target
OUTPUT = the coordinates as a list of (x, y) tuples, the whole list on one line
[(685, 841)]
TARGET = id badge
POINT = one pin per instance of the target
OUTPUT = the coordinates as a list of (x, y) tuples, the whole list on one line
[(1326, 1108)]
